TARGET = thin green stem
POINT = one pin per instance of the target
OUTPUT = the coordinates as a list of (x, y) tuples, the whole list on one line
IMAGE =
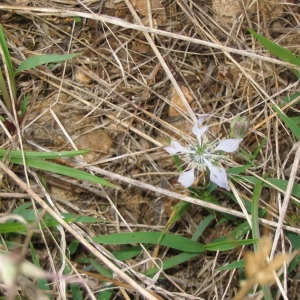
[(5, 94)]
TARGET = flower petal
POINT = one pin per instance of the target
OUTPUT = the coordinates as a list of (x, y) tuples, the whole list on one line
[(218, 175), (202, 119), (175, 148), (197, 129), (187, 178), (229, 145)]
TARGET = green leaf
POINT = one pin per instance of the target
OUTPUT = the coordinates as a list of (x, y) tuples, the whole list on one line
[(73, 247), (35, 61), (289, 122), (106, 294), (228, 245), (9, 227), (21, 209), (40, 155), (77, 19), (173, 262), (9, 65), (127, 253), (296, 120), (254, 211), (235, 265), (294, 239), (12, 227), (235, 236), (177, 211), (294, 263), (3, 45), (76, 292), (281, 52), (62, 170), (29, 215), (100, 268), (280, 183), (202, 226), (290, 98), (42, 283), (169, 240), (5, 93), (24, 105), (81, 219)]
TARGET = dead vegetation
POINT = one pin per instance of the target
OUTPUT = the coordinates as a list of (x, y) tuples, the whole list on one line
[(145, 69)]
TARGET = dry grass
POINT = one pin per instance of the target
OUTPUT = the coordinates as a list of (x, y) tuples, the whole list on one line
[(141, 77)]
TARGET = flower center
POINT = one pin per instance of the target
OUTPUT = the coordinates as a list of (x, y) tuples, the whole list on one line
[(200, 150), (198, 155)]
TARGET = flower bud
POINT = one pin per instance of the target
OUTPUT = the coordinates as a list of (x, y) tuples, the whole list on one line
[(239, 127)]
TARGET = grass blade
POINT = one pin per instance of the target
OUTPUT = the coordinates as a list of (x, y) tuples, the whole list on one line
[(4, 47), (40, 155), (288, 122), (62, 170), (173, 262), (7, 59), (35, 61), (281, 52), (169, 240), (5, 93)]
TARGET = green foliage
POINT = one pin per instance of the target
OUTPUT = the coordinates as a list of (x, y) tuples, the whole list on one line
[(76, 292), (290, 98), (254, 211), (127, 253), (11, 154), (30, 63), (23, 105), (29, 216), (37, 160), (9, 66), (288, 122), (176, 242), (233, 240), (235, 265), (279, 183), (250, 158), (42, 283), (202, 226), (38, 60), (281, 52), (169, 240)]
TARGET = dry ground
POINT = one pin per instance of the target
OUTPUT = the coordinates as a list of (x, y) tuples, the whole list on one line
[(145, 68)]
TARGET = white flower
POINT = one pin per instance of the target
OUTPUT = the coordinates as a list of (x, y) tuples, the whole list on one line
[(204, 155)]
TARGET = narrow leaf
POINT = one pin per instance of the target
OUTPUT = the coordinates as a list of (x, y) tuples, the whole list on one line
[(169, 240), (4, 47), (24, 104), (235, 265), (289, 122), (173, 262), (289, 98), (35, 61), (281, 52), (62, 170), (4, 91), (228, 245), (9, 65), (40, 155)]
